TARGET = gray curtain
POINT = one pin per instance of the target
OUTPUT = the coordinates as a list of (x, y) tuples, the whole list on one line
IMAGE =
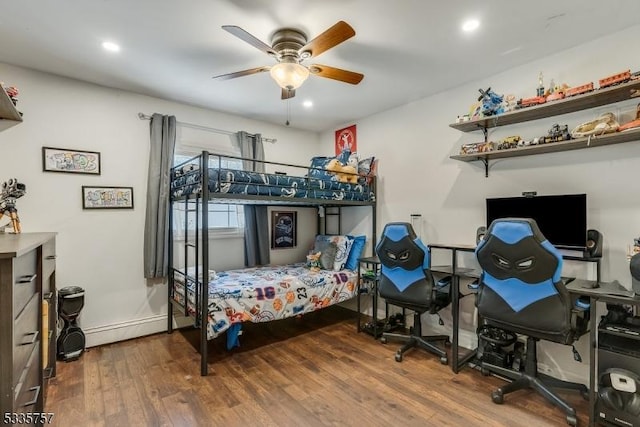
[(256, 219), (156, 226)]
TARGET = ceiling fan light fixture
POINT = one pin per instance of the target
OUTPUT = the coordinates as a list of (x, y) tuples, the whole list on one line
[(289, 75)]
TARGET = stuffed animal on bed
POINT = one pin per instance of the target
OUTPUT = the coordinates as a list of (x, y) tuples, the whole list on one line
[(344, 173), (313, 261)]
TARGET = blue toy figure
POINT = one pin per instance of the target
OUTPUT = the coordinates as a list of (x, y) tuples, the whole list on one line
[(491, 102)]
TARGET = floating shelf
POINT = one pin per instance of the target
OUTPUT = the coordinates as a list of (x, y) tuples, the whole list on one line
[(596, 98), (554, 147), (9, 115)]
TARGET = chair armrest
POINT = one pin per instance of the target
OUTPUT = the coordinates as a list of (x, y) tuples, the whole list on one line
[(582, 304), (444, 282)]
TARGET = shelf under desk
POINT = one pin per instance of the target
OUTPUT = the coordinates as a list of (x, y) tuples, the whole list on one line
[(607, 292)]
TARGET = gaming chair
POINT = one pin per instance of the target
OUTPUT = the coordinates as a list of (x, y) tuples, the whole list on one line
[(521, 291), (405, 281)]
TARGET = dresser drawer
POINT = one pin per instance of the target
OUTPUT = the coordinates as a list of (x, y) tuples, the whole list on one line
[(25, 269), (26, 335), (48, 259), (28, 389)]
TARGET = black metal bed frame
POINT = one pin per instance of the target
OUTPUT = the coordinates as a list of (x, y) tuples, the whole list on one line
[(201, 200)]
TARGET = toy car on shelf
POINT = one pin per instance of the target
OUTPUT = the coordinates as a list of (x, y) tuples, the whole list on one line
[(615, 79), (528, 102), (555, 96), (555, 134), (577, 90), (476, 147), (509, 142)]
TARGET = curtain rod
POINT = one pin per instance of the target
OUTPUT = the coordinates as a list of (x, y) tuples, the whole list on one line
[(143, 116)]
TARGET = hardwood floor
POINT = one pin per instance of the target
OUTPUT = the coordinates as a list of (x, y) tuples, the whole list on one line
[(313, 371)]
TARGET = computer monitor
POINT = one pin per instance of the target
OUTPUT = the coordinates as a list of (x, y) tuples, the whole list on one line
[(561, 218)]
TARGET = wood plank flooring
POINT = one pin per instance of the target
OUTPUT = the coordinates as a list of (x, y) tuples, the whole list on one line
[(312, 371)]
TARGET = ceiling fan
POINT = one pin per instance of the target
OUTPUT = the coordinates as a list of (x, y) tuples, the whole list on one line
[(290, 48)]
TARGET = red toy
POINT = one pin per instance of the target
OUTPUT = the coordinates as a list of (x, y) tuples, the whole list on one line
[(615, 79)]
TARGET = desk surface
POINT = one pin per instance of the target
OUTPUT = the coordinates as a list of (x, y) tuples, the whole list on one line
[(609, 290), (459, 247)]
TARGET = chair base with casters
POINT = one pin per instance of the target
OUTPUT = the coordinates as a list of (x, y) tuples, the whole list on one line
[(415, 339), (531, 379)]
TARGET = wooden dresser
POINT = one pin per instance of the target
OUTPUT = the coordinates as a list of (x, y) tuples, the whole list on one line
[(27, 320)]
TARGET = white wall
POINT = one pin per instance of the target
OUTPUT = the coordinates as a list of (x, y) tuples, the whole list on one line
[(102, 250), (416, 175)]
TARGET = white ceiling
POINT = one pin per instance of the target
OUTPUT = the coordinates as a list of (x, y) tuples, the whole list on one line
[(407, 49)]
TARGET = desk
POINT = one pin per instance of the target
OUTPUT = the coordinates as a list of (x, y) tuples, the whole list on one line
[(583, 288), (456, 273)]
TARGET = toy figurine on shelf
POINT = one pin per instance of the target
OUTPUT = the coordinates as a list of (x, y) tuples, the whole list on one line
[(11, 190), (491, 103), (540, 90)]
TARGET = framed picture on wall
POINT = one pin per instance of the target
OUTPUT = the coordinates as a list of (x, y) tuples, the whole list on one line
[(346, 140), (283, 229), (70, 161), (107, 197)]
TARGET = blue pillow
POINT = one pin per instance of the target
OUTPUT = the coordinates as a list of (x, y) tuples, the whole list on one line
[(356, 252), (318, 167)]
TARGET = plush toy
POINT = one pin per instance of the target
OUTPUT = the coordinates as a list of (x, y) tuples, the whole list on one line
[(313, 261), (344, 173)]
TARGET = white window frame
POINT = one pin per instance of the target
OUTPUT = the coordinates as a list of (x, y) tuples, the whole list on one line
[(189, 150)]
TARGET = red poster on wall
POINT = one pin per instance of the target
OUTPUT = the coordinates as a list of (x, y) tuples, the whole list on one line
[(346, 139)]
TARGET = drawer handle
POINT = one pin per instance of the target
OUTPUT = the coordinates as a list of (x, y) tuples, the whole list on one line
[(51, 257), (35, 397), (34, 338), (27, 279)]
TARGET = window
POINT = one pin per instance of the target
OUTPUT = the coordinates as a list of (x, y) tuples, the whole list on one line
[(225, 218)]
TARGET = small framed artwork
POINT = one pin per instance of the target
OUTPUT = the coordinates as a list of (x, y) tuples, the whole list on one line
[(70, 161), (107, 197), (283, 229)]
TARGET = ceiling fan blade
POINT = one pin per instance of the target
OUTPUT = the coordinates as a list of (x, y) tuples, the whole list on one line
[(241, 73), (249, 38), (286, 93), (336, 74), (333, 36)]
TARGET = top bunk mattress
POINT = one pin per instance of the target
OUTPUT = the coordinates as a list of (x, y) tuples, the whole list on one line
[(232, 181)]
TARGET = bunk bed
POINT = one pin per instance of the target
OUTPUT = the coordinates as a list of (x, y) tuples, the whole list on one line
[(216, 301)]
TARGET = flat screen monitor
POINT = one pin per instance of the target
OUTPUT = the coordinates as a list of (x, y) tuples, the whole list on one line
[(561, 218)]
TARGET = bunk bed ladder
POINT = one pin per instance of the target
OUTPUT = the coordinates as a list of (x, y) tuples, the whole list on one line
[(332, 211)]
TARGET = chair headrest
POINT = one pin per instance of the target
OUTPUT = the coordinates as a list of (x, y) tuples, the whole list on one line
[(400, 247), (515, 247)]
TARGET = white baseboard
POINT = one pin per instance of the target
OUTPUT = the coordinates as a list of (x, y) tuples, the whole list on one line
[(130, 329)]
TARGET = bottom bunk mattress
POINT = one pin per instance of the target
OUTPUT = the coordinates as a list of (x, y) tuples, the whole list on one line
[(263, 294)]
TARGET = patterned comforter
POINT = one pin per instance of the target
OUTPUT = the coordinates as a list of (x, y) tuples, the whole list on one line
[(269, 293), (233, 181)]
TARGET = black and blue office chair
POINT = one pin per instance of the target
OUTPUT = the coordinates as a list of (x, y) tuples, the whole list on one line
[(521, 291), (405, 281)]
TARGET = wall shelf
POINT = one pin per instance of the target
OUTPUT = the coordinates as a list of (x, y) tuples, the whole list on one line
[(596, 98), (9, 115), (554, 147)]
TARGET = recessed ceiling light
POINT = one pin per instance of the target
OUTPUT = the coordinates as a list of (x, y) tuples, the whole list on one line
[(470, 25), (307, 104), (110, 46)]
